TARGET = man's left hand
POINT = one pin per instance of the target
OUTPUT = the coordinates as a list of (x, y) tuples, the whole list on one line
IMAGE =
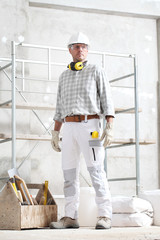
[(107, 134)]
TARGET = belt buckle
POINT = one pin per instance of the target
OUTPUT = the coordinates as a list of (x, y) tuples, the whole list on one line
[(79, 118), (85, 119)]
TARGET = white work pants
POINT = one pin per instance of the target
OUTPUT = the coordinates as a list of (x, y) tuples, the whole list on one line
[(75, 141)]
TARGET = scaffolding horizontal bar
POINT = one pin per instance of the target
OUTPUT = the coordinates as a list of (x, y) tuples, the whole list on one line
[(40, 62), (113, 54), (66, 49), (42, 47), (21, 91), (121, 145), (33, 62), (122, 86), (122, 179), (37, 79)]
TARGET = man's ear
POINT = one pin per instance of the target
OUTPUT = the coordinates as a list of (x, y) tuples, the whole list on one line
[(70, 50)]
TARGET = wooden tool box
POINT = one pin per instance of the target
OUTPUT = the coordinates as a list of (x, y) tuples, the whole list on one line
[(15, 216)]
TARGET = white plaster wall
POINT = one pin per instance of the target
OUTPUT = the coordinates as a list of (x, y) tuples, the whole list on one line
[(107, 33)]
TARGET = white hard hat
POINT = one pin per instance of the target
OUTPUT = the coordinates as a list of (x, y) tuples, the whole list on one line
[(78, 38)]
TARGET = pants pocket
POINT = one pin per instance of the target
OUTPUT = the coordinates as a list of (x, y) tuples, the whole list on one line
[(97, 150)]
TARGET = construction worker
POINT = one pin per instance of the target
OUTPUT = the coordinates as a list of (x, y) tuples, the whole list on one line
[(83, 98)]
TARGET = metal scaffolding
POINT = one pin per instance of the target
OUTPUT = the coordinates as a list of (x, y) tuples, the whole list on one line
[(49, 64)]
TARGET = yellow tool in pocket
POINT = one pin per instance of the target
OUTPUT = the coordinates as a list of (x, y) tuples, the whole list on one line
[(95, 134)]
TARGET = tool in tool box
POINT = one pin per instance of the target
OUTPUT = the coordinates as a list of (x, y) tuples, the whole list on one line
[(45, 192), (24, 190), (12, 180), (19, 182), (19, 196)]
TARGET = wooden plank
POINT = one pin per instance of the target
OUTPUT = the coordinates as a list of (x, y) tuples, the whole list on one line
[(30, 106), (27, 137), (10, 209), (35, 185), (50, 107), (132, 140), (38, 216), (126, 110), (48, 138)]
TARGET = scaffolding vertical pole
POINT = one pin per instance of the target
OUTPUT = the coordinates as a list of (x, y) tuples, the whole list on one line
[(23, 77), (136, 127), (49, 64), (104, 122), (13, 107)]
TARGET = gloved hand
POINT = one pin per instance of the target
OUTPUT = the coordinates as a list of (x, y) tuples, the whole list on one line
[(55, 141), (107, 134)]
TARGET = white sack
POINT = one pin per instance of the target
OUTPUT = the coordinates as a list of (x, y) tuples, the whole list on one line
[(88, 210), (153, 197), (131, 220), (122, 204)]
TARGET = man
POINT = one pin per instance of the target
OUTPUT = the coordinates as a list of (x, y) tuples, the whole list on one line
[(83, 96)]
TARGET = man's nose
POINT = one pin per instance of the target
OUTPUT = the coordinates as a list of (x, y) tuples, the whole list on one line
[(80, 48)]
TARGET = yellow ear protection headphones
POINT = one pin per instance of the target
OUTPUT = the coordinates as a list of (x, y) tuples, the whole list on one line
[(76, 66)]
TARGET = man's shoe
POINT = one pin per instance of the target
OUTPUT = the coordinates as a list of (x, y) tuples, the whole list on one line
[(65, 222), (103, 223)]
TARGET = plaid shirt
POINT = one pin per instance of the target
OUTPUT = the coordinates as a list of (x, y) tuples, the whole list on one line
[(84, 92)]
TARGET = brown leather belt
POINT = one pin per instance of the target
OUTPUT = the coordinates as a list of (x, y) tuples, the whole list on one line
[(80, 118)]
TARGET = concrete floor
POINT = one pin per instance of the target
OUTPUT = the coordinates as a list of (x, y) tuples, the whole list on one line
[(134, 233)]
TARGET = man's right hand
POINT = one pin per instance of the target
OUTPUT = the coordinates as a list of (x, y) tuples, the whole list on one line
[(55, 141)]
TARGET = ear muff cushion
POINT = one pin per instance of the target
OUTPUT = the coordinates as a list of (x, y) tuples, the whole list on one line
[(78, 66)]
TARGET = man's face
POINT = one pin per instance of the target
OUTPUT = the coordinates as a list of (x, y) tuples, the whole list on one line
[(79, 52)]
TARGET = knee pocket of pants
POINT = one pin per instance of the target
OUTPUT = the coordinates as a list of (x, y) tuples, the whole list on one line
[(98, 180), (69, 189), (70, 184), (69, 174)]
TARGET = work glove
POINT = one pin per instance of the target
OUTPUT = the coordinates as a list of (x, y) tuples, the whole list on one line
[(107, 134), (55, 141)]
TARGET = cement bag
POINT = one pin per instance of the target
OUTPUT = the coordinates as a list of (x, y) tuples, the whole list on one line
[(131, 220), (153, 197), (122, 204)]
